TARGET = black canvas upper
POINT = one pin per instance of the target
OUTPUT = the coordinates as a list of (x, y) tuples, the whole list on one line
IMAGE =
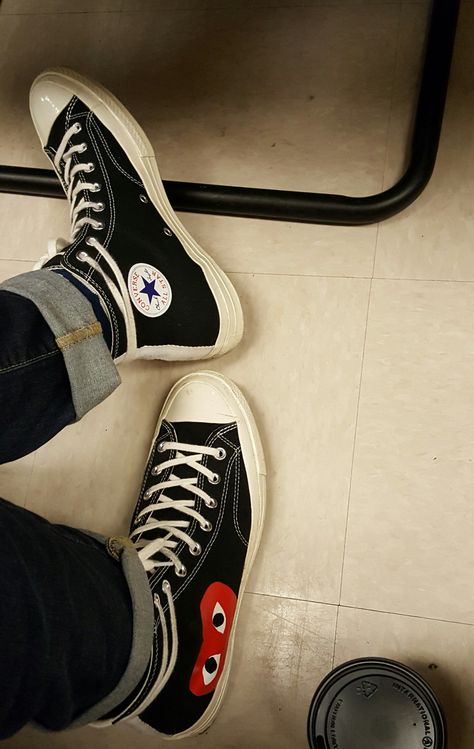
[(134, 232), (222, 560)]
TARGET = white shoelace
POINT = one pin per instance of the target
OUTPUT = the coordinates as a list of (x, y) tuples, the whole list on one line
[(174, 531), (76, 186), (161, 551), (73, 188)]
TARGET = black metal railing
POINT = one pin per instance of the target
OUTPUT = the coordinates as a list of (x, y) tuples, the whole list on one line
[(321, 208)]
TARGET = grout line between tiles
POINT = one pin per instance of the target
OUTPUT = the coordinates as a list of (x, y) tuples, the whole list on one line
[(302, 275), (351, 474), (355, 438), (297, 275), (205, 9), (339, 277), (375, 249), (362, 608), (424, 280), (297, 599), (15, 260), (336, 624), (409, 616)]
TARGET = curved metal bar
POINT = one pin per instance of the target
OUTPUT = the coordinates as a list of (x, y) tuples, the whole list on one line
[(323, 208)]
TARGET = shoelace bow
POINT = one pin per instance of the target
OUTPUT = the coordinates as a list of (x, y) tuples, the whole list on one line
[(161, 552)]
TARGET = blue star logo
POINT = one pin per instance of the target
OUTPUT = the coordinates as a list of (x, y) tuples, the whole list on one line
[(149, 290)]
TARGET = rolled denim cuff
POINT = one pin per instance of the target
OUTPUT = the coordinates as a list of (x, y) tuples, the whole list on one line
[(143, 625), (91, 370)]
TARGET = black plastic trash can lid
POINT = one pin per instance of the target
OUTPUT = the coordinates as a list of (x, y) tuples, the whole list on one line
[(375, 703)]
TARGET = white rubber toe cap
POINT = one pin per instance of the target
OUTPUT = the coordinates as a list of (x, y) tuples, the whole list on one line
[(47, 99), (203, 397)]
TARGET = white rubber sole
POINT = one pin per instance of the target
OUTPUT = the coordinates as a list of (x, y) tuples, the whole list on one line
[(136, 145)]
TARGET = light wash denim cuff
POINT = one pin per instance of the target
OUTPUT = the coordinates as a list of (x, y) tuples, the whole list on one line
[(92, 373), (143, 625)]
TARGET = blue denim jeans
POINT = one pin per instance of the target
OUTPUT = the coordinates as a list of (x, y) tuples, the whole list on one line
[(54, 362), (35, 395), (75, 623)]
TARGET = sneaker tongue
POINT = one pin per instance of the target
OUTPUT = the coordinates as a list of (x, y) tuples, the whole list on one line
[(196, 432)]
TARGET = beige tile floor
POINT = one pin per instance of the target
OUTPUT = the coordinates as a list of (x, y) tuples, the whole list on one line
[(359, 353)]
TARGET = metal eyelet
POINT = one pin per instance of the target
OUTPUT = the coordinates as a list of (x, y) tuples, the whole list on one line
[(89, 167), (99, 226), (90, 241), (143, 198), (161, 447), (221, 453), (98, 207), (82, 148), (147, 494), (168, 232), (95, 187), (206, 526), (77, 127), (181, 571), (195, 550), (212, 504), (155, 470), (82, 256), (214, 479)]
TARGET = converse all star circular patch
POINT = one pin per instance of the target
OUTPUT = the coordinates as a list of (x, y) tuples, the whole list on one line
[(149, 290)]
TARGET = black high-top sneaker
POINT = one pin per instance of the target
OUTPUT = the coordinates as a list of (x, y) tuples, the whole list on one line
[(197, 526), (164, 296)]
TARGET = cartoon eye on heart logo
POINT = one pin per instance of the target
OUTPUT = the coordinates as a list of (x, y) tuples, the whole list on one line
[(217, 612)]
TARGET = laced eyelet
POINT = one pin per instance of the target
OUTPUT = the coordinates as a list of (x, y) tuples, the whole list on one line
[(181, 571), (98, 207), (82, 148), (168, 232), (147, 494), (214, 479), (155, 470), (195, 550), (206, 526), (95, 187), (161, 447), (90, 241), (99, 226), (77, 127), (143, 198), (212, 504), (89, 167), (221, 453), (82, 256)]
